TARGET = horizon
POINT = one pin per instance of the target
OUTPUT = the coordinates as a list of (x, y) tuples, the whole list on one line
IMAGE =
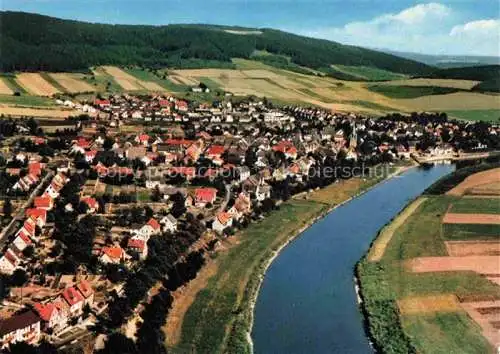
[(432, 28)]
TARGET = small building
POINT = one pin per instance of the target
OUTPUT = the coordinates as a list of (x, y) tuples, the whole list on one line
[(222, 221), (204, 196), (23, 327)]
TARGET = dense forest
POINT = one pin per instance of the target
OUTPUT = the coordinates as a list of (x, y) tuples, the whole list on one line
[(478, 73), (32, 42)]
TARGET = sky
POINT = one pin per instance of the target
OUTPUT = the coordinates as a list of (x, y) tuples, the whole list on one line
[(454, 27)]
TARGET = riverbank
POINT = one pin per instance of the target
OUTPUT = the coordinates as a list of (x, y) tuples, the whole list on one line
[(386, 283), (228, 301)]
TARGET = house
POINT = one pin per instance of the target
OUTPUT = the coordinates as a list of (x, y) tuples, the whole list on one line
[(53, 314), (46, 203), (287, 148), (169, 223), (23, 327), (90, 155), (75, 301), (22, 240), (87, 292), (243, 204), (243, 173), (136, 152), (138, 246), (262, 192), (35, 168), (8, 262), (204, 196), (38, 214), (113, 254), (142, 139), (92, 204), (222, 221), (214, 151)]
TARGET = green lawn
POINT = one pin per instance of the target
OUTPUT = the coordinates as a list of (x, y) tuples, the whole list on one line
[(394, 91), (491, 115), (26, 100), (444, 333), (103, 82), (476, 206)]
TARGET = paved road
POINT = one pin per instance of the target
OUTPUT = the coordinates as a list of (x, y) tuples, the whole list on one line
[(20, 213)]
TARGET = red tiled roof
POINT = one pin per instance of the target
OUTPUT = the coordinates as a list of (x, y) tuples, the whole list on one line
[(43, 202), (37, 213), (72, 296), (224, 217), (85, 288), (114, 252), (101, 102), (205, 195), (136, 243), (154, 224), (91, 202), (45, 311), (25, 238), (183, 142), (215, 150), (143, 137)]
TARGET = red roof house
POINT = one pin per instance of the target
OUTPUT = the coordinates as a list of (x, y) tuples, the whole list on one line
[(204, 196)]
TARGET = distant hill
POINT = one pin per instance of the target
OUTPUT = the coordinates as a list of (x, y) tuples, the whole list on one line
[(447, 61), (31, 42)]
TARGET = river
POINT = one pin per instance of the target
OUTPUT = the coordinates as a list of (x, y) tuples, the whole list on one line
[(307, 302)]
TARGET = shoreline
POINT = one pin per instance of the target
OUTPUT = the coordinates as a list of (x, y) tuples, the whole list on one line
[(267, 263)]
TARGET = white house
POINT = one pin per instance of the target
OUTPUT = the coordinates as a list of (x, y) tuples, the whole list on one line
[(23, 327), (169, 223)]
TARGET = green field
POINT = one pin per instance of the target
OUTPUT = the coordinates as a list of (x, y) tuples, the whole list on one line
[(444, 333), (489, 115), (394, 91), (476, 205), (26, 100), (369, 73), (471, 231), (388, 280)]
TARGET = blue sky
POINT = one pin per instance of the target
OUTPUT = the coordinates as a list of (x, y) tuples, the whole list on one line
[(442, 27)]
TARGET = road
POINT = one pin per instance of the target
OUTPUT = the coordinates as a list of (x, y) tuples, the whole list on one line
[(20, 213)]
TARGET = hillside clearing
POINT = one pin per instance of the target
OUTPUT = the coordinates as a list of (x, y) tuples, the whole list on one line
[(36, 85), (72, 83), (458, 84)]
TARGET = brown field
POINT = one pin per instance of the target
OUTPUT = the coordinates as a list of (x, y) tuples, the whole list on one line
[(452, 101), (36, 85), (479, 264), (473, 248), (4, 89), (427, 304), (129, 82), (458, 218), (73, 83), (126, 81), (478, 311), (485, 189), (477, 179), (48, 113), (460, 84), (378, 248)]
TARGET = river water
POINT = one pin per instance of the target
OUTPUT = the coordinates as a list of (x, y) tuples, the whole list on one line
[(307, 302)]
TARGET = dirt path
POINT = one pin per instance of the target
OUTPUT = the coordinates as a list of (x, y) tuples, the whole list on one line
[(183, 299), (378, 248)]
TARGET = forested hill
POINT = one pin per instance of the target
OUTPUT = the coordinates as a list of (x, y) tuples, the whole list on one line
[(478, 73), (35, 42)]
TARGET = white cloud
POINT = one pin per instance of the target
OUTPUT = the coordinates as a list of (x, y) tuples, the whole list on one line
[(426, 28), (477, 28)]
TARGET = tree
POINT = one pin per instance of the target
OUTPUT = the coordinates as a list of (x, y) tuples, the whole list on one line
[(7, 208), (18, 278)]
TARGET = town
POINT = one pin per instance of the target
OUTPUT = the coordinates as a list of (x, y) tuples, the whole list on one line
[(103, 220)]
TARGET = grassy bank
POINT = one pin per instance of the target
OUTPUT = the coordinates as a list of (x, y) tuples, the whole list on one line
[(220, 318), (387, 280)]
